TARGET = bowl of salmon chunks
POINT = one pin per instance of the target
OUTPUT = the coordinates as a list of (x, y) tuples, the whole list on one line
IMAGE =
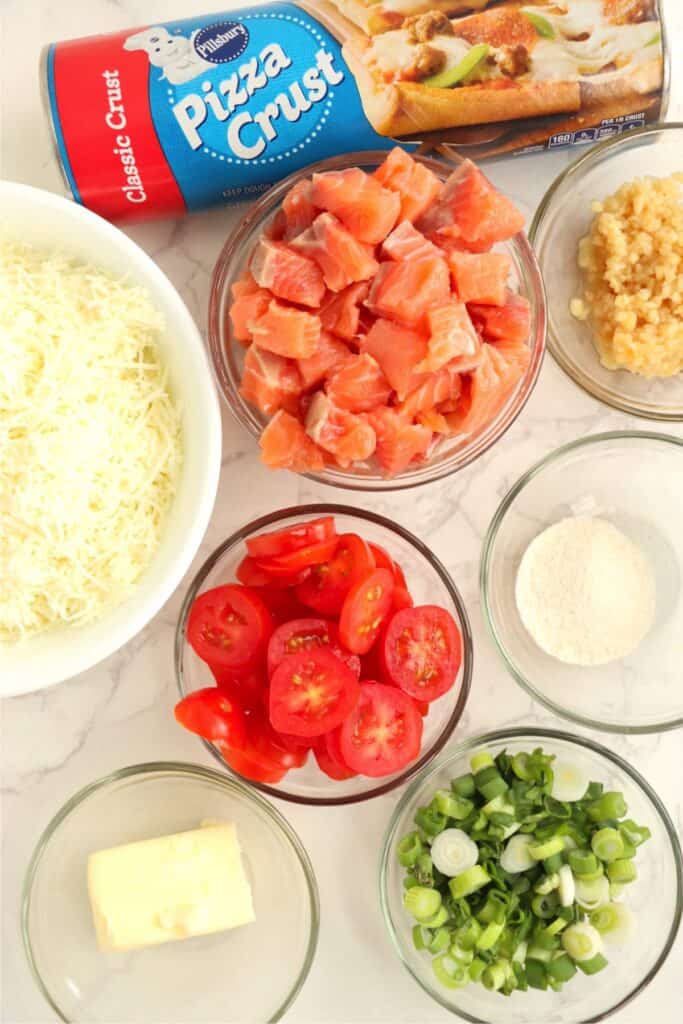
[(378, 320)]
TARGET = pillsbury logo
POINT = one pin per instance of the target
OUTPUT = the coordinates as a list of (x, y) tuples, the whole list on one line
[(222, 42)]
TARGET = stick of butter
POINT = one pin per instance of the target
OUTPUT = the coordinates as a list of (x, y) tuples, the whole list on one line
[(172, 887)]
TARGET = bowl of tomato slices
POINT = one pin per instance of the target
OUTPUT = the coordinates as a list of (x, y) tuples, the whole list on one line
[(324, 654)]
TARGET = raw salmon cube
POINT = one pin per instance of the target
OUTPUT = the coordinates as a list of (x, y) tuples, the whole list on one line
[(398, 350), (405, 290), (434, 420), (443, 386), (406, 243), (366, 209), (288, 274), (243, 285), (270, 382), (277, 228), (480, 277), (417, 186), (287, 331), (511, 321), (398, 442), (340, 257), (330, 354), (286, 445), (514, 352), (349, 438), (451, 337), (246, 309), (490, 386), (482, 214), (298, 208), (340, 311), (359, 385)]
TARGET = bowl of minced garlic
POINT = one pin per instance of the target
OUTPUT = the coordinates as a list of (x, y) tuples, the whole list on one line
[(608, 235), (632, 266)]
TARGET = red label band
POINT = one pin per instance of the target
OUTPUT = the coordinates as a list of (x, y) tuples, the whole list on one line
[(102, 99)]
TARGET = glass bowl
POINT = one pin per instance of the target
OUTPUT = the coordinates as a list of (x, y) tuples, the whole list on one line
[(634, 480), (429, 583), (563, 218), (228, 355), (211, 977), (655, 897)]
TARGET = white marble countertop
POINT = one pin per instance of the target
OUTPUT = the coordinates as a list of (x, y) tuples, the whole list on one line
[(56, 741)]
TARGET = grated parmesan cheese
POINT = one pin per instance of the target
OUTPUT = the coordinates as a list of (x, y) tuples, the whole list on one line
[(90, 443)]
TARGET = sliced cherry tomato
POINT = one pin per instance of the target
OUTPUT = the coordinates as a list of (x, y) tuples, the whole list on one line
[(214, 715), (249, 688), (422, 706), (422, 651), (279, 542), (229, 626), (249, 768), (311, 693), (305, 635), (291, 565), (327, 753), (250, 573), (282, 603), (328, 583), (383, 733), (402, 597), (365, 608), (265, 744)]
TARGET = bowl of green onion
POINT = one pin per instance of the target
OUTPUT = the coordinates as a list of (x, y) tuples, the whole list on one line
[(531, 876)]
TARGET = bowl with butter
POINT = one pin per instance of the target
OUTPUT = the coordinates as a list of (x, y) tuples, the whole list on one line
[(162, 892)]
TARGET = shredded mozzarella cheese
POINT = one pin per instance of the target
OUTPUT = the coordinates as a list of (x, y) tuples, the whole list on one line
[(90, 441)]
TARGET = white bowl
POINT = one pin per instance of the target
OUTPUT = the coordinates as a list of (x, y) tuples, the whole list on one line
[(48, 221)]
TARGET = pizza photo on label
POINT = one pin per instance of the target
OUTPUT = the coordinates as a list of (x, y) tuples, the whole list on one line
[(439, 68)]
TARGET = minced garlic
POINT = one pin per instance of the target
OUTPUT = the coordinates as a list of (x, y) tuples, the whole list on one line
[(632, 258)]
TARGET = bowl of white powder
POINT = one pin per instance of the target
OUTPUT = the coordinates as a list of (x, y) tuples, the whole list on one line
[(110, 439), (581, 581)]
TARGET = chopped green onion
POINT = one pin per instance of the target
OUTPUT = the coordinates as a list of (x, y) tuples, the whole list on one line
[(480, 761), (453, 852), (464, 786), (437, 919), (449, 972), (430, 820), (516, 856), (621, 871), (490, 782), (609, 805), (519, 955), (467, 934), (539, 953), (490, 935), (423, 869), (465, 956), (634, 834), (422, 903), (558, 925), (495, 976), (440, 941), (476, 969), (547, 884), (591, 894), (410, 881), (607, 844), (544, 906), (561, 968), (592, 966), (468, 882), (543, 939), (452, 806), (535, 974), (409, 849), (582, 941), (421, 937), (654, 38), (494, 908), (541, 851), (614, 921), (566, 890), (520, 766), (553, 864), (582, 862)]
